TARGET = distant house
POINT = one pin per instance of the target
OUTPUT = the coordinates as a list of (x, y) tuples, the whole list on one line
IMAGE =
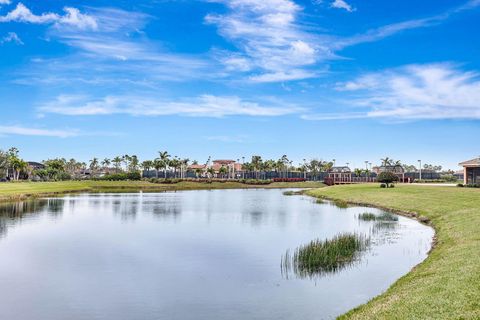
[(232, 166), (36, 165), (471, 171), (340, 174)]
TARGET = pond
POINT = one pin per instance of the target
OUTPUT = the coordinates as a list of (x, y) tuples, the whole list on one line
[(190, 255)]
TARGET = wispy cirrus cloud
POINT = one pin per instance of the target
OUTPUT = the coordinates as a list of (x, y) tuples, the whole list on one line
[(414, 92), (385, 31), (11, 37), (342, 4), (201, 106), (272, 45), (31, 131)]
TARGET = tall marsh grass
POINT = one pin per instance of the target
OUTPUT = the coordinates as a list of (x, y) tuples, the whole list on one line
[(325, 256), (384, 216)]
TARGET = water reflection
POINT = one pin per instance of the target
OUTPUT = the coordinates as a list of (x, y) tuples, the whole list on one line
[(12, 214), (190, 255)]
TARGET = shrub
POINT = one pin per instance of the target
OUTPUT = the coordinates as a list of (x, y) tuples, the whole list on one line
[(387, 178), (121, 176), (288, 179), (383, 185), (256, 182), (392, 186), (460, 185)]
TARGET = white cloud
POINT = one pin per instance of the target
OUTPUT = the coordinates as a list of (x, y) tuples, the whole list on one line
[(201, 106), (435, 91), (26, 131), (72, 17), (5, 1), (271, 43), (341, 4), (11, 37), (274, 46)]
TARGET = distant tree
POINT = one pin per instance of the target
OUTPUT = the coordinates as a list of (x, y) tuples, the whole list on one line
[(211, 172), (147, 165), (117, 162), (158, 164), (133, 164), (387, 178), (106, 163), (164, 157), (3, 164), (358, 172), (223, 171), (18, 165), (386, 161), (94, 166)]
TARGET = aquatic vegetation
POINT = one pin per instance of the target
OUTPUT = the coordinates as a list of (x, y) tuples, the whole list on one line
[(293, 193), (367, 216), (325, 256), (385, 216), (341, 204)]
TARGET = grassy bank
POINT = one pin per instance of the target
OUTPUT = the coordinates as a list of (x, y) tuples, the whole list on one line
[(25, 190), (447, 284)]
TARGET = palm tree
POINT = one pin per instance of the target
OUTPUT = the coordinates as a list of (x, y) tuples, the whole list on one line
[(94, 166), (18, 165), (164, 157), (105, 163), (117, 161), (386, 161), (134, 163), (358, 172), (157, 164), (147, 165), (126, 160), (257, 164), (183, 167)]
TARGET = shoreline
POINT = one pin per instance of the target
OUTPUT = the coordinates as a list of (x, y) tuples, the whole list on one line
[(22, 191), (417, 294)]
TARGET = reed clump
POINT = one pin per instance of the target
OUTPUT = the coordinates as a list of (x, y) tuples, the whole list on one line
[(293, 193), (324, 256), (341, 204), (384, 217)]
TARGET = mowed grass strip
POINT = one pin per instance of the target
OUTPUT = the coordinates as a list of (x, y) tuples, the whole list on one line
[(447, 284), (21, 190)]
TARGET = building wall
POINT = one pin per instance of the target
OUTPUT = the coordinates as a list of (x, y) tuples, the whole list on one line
[(472, 175)]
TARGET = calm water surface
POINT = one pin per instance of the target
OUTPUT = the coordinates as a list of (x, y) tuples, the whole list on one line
[(189, 255)]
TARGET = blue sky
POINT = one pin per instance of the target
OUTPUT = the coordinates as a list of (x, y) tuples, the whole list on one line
[(351, 80)]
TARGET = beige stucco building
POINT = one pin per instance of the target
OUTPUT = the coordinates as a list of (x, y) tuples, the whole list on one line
[(471, 171)]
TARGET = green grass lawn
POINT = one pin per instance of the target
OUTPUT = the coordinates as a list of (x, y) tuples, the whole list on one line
[(22, 190), (447, 284)]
